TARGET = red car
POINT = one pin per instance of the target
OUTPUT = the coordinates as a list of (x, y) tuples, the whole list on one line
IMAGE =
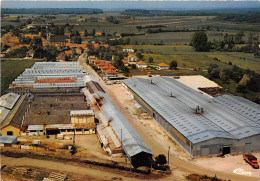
[(252, 160)]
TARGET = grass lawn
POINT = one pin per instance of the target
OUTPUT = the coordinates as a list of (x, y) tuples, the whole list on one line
[(10, 69)]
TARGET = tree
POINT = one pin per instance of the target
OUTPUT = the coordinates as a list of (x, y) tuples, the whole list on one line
[(211, 67), (173, 65), (200, 41), (77, 39), (139, 55), (86, 33), (150, 60), (160, 159)]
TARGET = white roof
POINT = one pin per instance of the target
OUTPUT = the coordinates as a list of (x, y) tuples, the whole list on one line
[(81, 112)]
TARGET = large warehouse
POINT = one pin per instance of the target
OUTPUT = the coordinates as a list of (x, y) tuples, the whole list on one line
[(50, 75), (200, 124)]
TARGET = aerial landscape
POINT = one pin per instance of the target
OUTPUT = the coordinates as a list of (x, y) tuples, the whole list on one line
[(130, 90)]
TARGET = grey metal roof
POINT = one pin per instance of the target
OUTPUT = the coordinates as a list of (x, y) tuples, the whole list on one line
[(43, 70), (131, 141), (8, 100), (176, 103), (8, 139)]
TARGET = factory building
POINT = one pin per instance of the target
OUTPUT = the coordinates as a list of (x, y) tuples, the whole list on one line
[(202, 125), (13, 108), (50, 75), (58, 111), (114, 130)]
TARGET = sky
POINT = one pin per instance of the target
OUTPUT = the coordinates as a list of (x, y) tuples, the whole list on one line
[(137, 4)]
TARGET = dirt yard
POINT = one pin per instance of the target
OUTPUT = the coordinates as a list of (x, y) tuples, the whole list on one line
[(230, 164)]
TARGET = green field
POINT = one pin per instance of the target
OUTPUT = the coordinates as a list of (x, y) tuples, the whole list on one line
[(10, 69), (187, 57)]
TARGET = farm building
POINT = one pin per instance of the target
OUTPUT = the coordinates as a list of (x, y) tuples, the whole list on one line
[(202, 125), (7, 140), (50, 75), (163, 66), (141, 64), (114, 130), (13, 108)]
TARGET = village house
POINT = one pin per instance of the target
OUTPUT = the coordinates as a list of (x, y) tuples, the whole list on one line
[(82, 33), (98, 34), (67, 34), (58, 39), (132, 59), (107, 67), (30, 54), (128, 49), (141, 64), (91, 59), (69, 53), (60, 58), (163, 66), (125, 61), (110, 73)]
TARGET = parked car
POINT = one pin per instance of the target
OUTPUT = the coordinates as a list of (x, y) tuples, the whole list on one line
[(252, 160)]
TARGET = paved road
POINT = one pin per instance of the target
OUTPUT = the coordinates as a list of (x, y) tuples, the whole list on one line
[(184, 166)]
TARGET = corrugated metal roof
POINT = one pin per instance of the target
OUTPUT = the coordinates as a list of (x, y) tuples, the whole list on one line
[(45, 70), (8, 100), (176, 103), (4, 113), (82, 112), (6, 139), (34, 127), (131, 141)]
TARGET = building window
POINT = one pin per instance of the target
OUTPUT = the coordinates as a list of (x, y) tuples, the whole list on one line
[(78, 130), (9, 133), (86, 129)]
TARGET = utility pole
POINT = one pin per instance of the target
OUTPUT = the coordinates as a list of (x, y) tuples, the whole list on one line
[(74, 138), (169, 156)]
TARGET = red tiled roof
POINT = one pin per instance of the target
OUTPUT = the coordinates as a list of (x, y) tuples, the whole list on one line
[(106, 67), (60, 56), (109, 71), (69, 52), (57, 80)]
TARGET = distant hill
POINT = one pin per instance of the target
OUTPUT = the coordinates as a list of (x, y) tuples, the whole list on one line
[(222, 13), (51, 11)]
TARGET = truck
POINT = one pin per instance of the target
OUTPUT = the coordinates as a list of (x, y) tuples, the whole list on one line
[(252, 160)]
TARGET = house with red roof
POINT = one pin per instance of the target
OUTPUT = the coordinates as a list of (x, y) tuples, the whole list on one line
[(110, 73)]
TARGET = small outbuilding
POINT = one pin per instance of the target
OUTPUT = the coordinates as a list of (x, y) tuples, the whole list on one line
[(8, 140)]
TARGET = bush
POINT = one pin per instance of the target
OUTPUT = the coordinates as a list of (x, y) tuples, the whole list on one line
[(160, 159), (173, 65)]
